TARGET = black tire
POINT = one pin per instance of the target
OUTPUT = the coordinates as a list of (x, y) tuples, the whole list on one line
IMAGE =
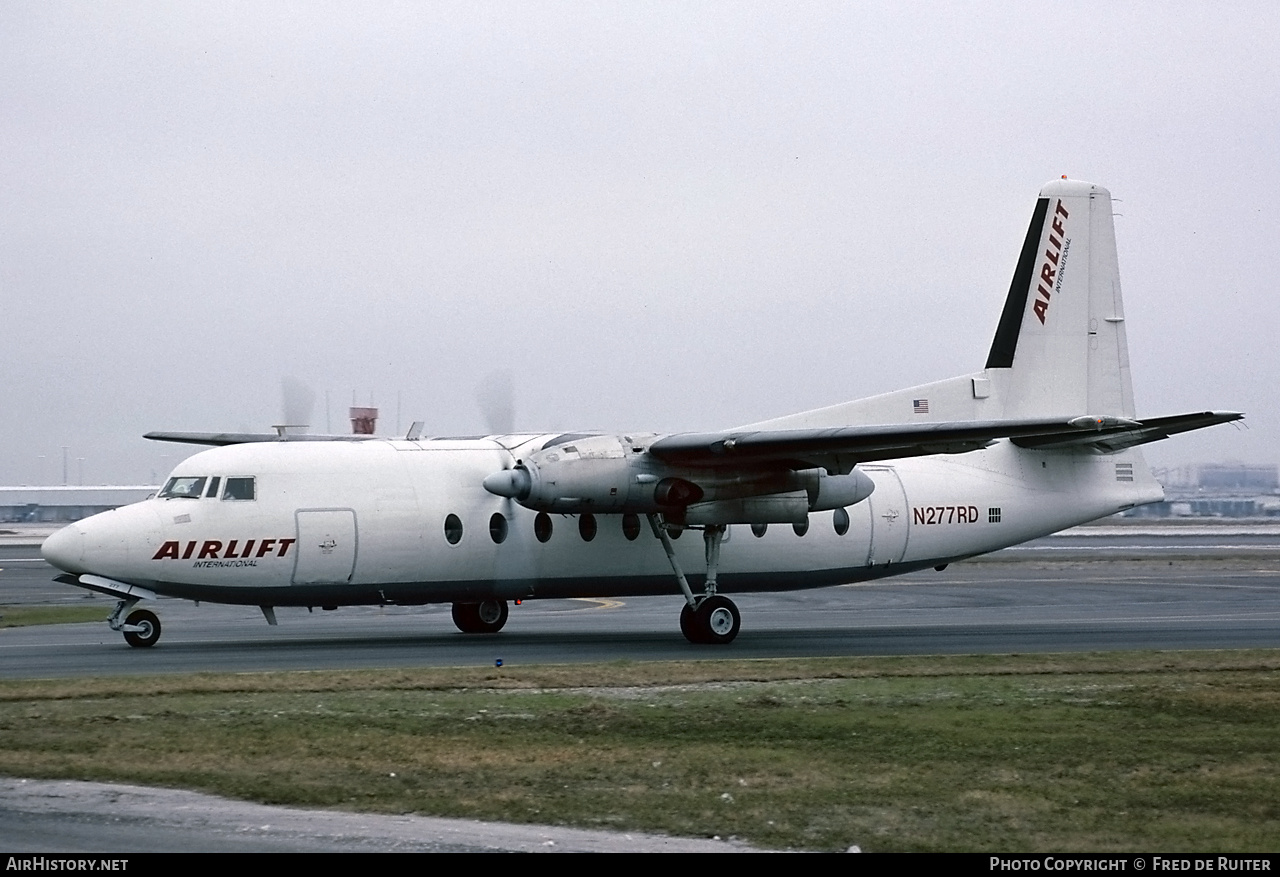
[(689, 625), (487, 617), (150, 633), (717, 621)]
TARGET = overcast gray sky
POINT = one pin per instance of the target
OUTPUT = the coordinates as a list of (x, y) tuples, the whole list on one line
[(658, 216)]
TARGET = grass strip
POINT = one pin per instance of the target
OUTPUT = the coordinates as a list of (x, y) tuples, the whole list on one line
[(1174, 751), (25, 616)]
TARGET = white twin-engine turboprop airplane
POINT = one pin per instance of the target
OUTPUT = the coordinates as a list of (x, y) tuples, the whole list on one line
[(1044, 437)]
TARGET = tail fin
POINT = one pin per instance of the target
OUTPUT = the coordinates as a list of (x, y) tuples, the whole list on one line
[(1060, 346), (1059, 351)]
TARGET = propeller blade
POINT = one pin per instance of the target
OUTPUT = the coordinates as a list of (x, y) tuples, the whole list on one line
[(298, 402), (496, 396)]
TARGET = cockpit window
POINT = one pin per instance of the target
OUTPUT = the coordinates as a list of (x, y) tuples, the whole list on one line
[(239, 488), (184, 487), (213, 486)]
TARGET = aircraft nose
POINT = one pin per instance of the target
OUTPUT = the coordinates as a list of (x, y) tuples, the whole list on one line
[(65, 549)]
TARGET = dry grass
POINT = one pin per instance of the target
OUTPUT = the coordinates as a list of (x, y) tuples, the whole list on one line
[(1169, 751)]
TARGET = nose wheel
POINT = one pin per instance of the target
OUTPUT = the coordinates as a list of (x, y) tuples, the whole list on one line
[(141, 629)]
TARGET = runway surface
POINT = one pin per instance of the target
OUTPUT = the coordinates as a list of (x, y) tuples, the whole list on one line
[(1219, 590)]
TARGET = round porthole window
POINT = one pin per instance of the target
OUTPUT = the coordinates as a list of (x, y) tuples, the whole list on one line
[(542, 526), (631, 526), (498, 528), (587, 527), (840, 520), (453, 529)]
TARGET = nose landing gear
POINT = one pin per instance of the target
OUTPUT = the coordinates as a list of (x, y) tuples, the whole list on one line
[(141, 629)]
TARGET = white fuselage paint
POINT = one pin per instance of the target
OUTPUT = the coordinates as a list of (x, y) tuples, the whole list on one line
[(364, 522)]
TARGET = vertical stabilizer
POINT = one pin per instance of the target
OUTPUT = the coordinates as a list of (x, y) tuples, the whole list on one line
[(1059, 349), (1060, 346)]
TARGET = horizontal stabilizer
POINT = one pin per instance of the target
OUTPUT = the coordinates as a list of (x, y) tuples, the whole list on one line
[(1127, 434)]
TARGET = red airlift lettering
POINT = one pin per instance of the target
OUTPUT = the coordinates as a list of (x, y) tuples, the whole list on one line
[(1052, 255), (213, 548)]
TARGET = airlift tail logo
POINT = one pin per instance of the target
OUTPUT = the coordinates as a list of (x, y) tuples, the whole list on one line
[(1055, 258), (217, 550)]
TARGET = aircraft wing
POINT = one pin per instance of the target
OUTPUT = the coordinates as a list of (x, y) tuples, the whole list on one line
[(218, 439), (840, 449)]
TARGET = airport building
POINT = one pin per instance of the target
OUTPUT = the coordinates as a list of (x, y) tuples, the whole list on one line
[(39, 505), (1220, 490)]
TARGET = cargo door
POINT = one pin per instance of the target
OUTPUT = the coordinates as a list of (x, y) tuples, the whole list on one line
[(326, 547)]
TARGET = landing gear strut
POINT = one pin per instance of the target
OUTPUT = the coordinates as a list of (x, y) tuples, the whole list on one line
[(141, 629), (709, 619), (486, 617)]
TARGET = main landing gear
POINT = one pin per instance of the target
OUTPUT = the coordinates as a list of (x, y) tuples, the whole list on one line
[(485, 617), (141, 629), (709, 619)]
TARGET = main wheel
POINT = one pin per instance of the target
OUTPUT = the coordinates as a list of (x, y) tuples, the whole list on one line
[(689, 625), (715, 622), (148, 629), (486, 617)]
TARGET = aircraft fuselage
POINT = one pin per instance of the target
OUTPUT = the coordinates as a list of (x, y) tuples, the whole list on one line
[(406, 522)]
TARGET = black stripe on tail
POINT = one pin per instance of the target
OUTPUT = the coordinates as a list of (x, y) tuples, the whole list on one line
[(1015, 305)]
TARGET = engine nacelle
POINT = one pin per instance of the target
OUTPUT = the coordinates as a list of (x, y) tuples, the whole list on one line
[(613, 474), (827, 492), (596, 474), (821, 493)]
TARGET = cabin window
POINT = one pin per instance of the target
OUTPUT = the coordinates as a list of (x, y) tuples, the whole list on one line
[(587, 527), (759, 528), (498, 528), (239, 488), (213, 486), (183, 488), (631, 526), (840, 520), (542, 526), (801, 527), (453, 529)]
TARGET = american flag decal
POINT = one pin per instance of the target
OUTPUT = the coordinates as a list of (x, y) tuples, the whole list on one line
[(920, 406)]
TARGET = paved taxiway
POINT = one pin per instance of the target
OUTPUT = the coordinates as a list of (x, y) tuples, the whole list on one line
[(1212, 593), (65, 816)]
